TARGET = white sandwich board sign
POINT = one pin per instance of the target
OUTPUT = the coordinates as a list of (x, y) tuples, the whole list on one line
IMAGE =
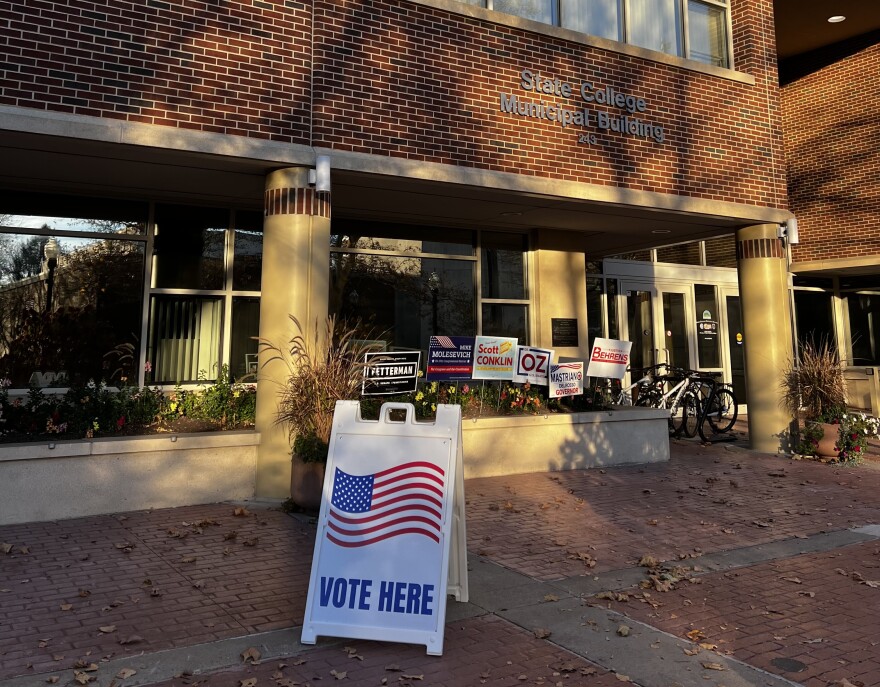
[(391, 538)]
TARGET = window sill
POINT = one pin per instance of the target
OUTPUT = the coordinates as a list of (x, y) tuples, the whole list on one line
[(592, 41)]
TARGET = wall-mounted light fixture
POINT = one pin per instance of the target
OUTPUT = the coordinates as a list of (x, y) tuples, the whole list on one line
[(789, 231), (320, 175)]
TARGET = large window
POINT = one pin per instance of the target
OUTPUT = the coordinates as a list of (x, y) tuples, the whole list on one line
[(404, 284), (204, 296), (695, 29), (70, 266)]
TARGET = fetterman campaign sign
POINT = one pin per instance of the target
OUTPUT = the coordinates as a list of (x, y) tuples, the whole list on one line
[(392, 519)]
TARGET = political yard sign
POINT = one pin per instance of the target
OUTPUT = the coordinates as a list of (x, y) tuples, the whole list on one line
[(609, 358), (566, 379), (450, 358), (494, 357), (388, 520)]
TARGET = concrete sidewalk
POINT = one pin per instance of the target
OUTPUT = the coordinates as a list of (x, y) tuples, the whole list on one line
[(767, 573)]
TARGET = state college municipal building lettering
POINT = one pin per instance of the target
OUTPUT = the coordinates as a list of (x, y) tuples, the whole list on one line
[(627, 122)]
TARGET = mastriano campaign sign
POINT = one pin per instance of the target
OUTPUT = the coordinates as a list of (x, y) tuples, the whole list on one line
[(391, 540), (609, 358)]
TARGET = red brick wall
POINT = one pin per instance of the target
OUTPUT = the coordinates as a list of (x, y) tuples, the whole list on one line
[(236, 67), (832, 147), (404, 80), (400, 79)]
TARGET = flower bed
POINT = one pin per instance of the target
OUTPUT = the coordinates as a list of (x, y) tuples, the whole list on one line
[(96, 410)]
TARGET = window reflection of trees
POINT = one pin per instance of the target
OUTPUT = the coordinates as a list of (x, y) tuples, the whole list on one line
[(404, 296), (97, 289)]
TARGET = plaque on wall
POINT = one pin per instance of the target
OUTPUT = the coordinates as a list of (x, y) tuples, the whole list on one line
[(564, 331)]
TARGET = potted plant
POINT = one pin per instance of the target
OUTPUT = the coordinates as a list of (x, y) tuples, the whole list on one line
[(814, 388), (322, 369)]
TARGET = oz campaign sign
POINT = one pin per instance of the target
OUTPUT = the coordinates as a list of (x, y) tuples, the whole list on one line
[(450, 358), (390, 373), (532, 365), (609, 358), (392, 510), (566, 379), (493, 358)]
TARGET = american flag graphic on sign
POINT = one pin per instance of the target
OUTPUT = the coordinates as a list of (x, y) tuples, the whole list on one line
[(405, 499), (442, 342)]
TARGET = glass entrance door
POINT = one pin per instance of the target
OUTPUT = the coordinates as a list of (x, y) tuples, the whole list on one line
[(676, 344), (640, 325)]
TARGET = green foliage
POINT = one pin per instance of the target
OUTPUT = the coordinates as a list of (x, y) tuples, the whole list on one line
[(486, 399), (89, 410)]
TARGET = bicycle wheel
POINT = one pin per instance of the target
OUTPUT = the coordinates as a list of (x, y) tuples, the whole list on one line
[(690, 414), (722, 411), (649, 399)]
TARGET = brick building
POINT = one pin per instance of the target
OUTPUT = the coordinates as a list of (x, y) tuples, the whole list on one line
[(477, 162)]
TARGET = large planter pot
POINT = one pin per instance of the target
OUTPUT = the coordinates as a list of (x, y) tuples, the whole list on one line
[(306, 483), (827, 447)]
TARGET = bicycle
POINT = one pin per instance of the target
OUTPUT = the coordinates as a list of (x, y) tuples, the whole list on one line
[(625, 396), (679, 400)]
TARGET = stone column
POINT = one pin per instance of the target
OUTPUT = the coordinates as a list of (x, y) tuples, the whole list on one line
[(763, 290), (295, 281)]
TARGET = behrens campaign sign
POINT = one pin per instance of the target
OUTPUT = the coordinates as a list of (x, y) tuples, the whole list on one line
[(609, 358), (393, 508)]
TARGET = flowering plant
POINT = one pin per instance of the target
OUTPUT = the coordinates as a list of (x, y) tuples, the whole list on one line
[(855, 429)]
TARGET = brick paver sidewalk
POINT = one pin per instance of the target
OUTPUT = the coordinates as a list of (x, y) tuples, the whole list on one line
[(93, 589)]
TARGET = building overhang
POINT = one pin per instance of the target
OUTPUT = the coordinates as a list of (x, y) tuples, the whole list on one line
[(75, 154)]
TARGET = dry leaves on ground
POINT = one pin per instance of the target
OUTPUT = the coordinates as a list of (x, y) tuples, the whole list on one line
[(541, 632), (251, 655)]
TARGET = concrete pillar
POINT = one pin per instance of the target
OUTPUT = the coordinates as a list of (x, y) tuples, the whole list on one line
[(295, 281), (763, 290), (560, 292)]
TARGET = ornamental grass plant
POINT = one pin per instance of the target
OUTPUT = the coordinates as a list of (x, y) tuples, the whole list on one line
[(321, 369), (814, 387)]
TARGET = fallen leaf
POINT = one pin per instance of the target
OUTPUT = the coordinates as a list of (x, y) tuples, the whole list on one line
[(250, 682), (23, 549), (796, 580), (412, 677), (6, 548), (126, 673), (874, 584), (550, 597), (696, 635), (241, 512), (83, 593), (188, 559), (648, 561), (251, 655), (707, 646), (251, 542), (125, 546), (807, 594), (232, 534), (623, 630), (132, 639), (52, 679), (393, 668), (286, 682), (66, 607), (339, 675), (760, 523), (541, 633), (83, 678), (622, 678), (691, 652), (107, 629), (713, 666), (198, 584)]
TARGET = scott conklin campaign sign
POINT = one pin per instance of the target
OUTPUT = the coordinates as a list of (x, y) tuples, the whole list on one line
[(381, 563)]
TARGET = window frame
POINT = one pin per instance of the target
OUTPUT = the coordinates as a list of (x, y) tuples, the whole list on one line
[(623, 9)]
